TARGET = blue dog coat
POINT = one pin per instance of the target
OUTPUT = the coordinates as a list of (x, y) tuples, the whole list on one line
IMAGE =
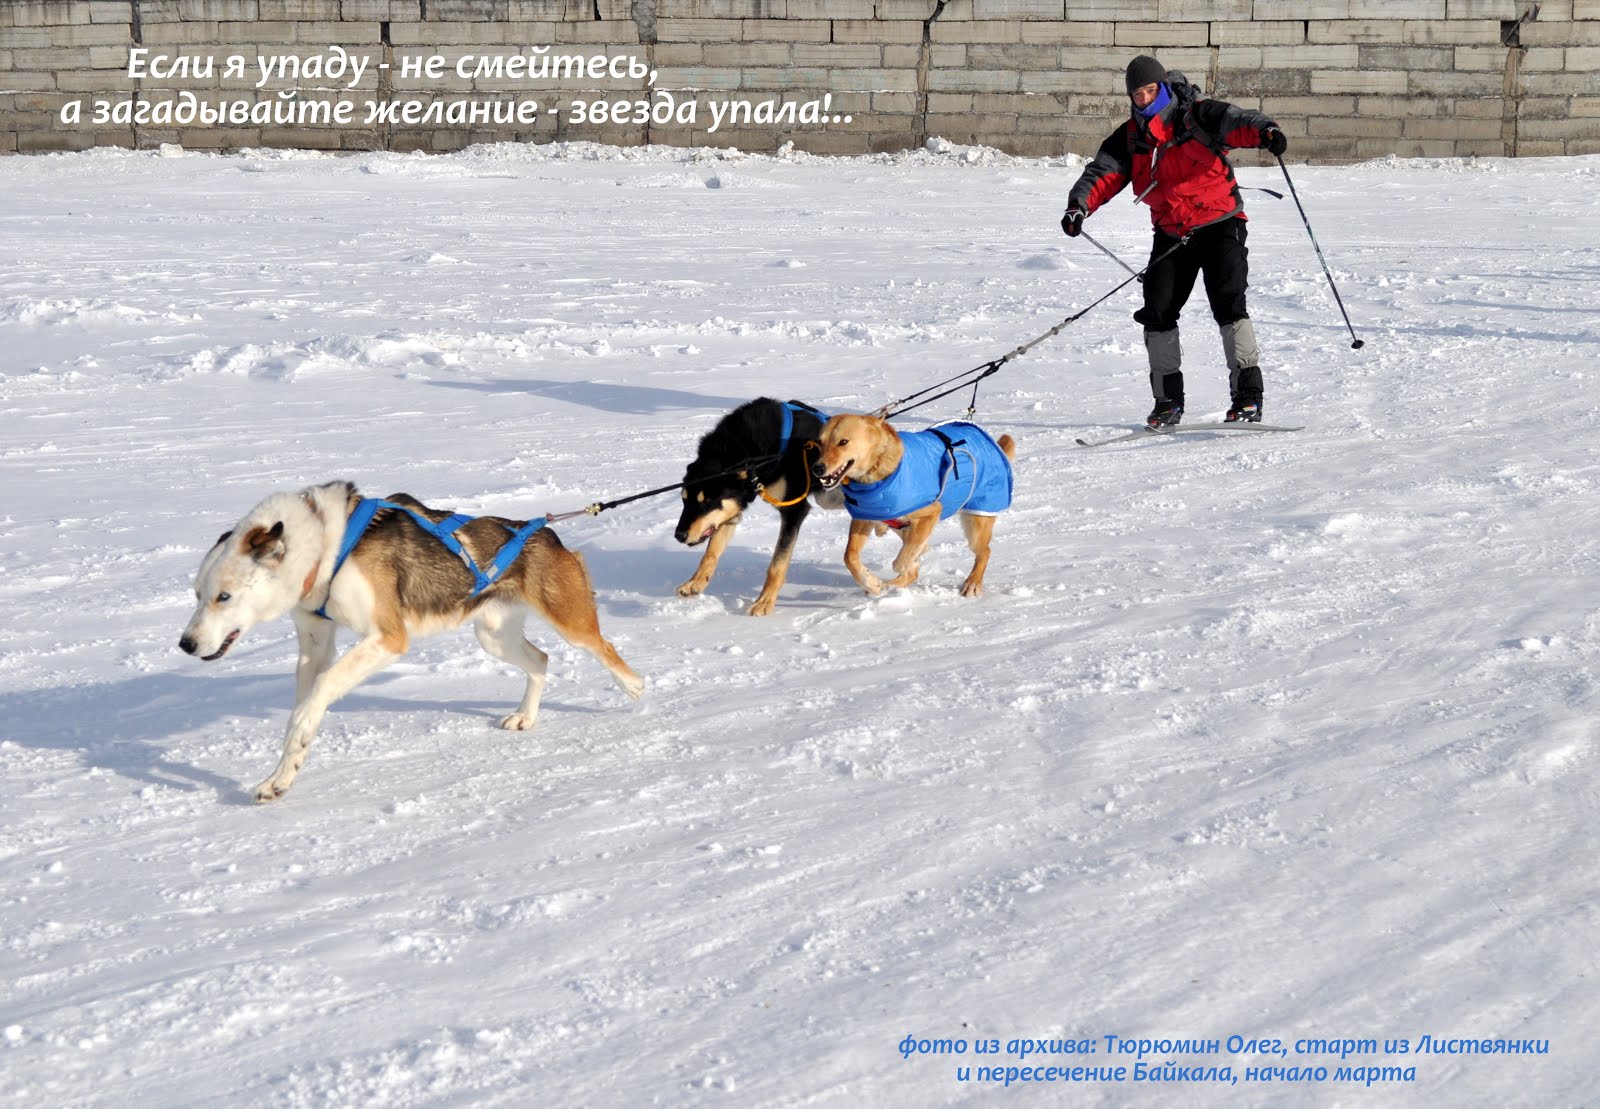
[(956, 464)]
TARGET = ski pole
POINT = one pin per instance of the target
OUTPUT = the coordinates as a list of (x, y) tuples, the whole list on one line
[(1355, 344), (1108, 253)]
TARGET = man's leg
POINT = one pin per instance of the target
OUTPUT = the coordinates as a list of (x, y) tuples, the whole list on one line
[(1227, 275), (1167, 285)]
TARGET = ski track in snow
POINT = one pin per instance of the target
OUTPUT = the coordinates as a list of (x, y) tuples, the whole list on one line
[(1274, 736)]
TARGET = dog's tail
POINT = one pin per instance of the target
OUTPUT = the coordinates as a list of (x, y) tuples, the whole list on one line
[(559, 589), (1008, 445)]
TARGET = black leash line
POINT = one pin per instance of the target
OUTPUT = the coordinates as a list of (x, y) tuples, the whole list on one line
[(895, 408), (972, 377), (601, 506)]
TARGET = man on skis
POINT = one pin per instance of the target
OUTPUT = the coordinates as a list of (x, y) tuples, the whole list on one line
[(1173, 150)]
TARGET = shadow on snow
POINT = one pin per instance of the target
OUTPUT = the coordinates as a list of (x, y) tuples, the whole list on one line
[(125, 727), (634, 400)]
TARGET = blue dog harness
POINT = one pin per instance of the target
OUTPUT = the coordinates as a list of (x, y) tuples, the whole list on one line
[(444, 531), (790, 407), (966, 474)]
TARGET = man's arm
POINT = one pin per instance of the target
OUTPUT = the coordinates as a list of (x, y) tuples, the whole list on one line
[(1107, 174), (1236, 127)]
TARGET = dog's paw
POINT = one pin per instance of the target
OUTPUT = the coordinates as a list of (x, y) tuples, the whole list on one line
[(970, 588), (763, 606), (692, 588), (519, 721), (632, 685), (872, 584), (270, 790)]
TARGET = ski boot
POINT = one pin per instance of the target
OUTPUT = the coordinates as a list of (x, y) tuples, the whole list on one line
[(1246, 390), (1165, 414)]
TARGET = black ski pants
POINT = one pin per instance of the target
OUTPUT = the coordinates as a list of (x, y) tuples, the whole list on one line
[(1219, 253)]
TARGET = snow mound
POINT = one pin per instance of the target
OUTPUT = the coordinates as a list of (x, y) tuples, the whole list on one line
[(53, 311)]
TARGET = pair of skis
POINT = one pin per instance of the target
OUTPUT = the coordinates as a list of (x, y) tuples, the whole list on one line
[(1157, 433)]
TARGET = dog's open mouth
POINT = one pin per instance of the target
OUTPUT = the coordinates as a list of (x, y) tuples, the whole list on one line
[(699, 537), (834, 477), (222, 650)]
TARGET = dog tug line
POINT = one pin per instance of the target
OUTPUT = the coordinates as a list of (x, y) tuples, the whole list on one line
[(891, 500), (975, 376), (888, 501), (390, 568)]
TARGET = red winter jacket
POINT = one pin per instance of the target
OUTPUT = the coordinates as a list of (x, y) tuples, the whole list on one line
[(1181, 150)]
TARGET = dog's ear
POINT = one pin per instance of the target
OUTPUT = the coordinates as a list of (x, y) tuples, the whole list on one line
[(265, 544), (221, 539)]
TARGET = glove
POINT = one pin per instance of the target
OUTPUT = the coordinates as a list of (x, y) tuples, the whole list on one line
[(1272, 141), (1072, 222)]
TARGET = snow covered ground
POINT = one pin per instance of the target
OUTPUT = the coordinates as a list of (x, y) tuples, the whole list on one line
[(1281, 738)]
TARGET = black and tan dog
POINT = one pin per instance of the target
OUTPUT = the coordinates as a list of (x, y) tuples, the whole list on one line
[(762, 448)]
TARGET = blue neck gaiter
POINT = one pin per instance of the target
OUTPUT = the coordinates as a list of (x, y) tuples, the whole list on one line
[(1163, 98)]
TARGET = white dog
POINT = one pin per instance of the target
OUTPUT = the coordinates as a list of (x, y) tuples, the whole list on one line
[(397, 574)]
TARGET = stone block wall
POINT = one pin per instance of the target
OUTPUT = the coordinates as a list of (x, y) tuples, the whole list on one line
[(1348, 79)]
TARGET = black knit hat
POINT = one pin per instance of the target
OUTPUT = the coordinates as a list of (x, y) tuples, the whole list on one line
[(1145, 70)]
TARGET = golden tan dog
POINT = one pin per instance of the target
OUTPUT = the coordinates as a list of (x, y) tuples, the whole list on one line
[(910, 481)]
